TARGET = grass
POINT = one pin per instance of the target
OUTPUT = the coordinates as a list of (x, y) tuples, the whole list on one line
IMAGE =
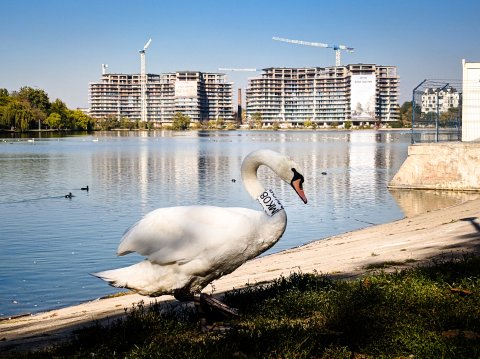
[(425, 312)]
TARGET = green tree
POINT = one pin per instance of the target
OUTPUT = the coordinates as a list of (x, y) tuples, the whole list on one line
[(128, 124), (449, 117), (257, 119), (308, 123), (54, 120), (82, 121), (406, 113), (180, 122), (18, 115), (220, 122), (212, 124), (108, 123), (4, 97), (231, 126), (38, 99), (59, 107)]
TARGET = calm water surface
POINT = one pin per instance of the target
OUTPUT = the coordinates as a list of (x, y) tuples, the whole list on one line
[(49, 244)]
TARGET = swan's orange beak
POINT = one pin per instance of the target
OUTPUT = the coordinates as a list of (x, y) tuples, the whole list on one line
[(297, 185)]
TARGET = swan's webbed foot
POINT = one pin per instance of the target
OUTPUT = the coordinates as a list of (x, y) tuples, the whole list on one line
[(211, 311)]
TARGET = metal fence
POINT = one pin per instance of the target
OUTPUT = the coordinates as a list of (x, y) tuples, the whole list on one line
[(437, 111)]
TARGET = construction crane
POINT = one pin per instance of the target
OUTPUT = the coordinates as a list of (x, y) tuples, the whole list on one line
[(143, 83), (336, 48)]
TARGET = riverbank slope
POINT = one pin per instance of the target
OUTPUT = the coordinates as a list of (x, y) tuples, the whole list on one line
[(407, 242)]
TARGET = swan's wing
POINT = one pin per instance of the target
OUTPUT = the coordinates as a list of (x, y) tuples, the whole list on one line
[(181, 234)]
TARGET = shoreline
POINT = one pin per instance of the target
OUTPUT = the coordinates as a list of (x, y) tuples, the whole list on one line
[(411, 241)]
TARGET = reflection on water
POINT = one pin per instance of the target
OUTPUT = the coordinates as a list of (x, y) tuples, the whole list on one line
[(49, 243), (413, 202)]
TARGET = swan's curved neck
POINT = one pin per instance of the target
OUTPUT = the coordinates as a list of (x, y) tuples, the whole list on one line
[(250, 167), (249, 176)]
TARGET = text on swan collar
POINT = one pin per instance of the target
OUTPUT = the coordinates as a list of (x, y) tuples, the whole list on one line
[(269, 202)]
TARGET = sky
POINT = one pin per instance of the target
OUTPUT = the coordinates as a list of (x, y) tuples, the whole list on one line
[(60, 45)]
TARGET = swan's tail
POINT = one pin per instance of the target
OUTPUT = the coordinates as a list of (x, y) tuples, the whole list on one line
[(144, 278)]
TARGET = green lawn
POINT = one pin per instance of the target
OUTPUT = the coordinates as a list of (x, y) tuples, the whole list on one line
[(426, 312)]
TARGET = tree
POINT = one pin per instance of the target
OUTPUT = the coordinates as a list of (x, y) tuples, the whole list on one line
[(28, 108), (450, 117), (181, 122), (4, 97), (54, 120), (18, 115), (406, 113), (212, 124), (81, 120), (257, 119), (220, 122), (38, 99), (125, 122), (59, 107)]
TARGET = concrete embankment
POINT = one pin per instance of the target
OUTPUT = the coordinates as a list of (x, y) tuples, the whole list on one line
[(407, 242), (440, 166)]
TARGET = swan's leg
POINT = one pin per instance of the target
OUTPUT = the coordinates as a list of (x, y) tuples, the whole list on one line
[(209, 310)]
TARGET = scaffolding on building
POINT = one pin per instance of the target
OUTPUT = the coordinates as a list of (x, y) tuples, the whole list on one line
[(437, 111)]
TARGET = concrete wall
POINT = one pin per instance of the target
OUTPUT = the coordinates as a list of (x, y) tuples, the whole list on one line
[(446, 166)]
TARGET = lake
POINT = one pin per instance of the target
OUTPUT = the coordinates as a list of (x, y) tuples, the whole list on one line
[(49, 244)]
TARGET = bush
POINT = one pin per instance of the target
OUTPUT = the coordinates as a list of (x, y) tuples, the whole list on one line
[(180, 122)]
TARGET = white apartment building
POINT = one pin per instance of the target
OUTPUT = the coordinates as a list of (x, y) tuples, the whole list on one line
[(441, 99), (119, 95), (202, 96), (360, 93)]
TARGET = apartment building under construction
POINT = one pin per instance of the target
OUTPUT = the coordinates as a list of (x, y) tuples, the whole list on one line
[(201, 96), (360, 93)]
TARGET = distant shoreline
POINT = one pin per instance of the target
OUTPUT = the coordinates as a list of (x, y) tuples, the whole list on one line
[(209, 130)]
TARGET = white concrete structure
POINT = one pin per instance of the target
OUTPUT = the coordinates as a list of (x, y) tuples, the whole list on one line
[(440, 166), (471, 101)]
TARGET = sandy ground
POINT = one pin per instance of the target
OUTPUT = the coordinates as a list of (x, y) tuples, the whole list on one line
[(450, 231)]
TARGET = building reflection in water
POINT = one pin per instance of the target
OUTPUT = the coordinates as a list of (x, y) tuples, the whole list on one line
[(413, 202), (346, 174)]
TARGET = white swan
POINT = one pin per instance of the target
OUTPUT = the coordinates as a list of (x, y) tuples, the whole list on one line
[(188, 247)]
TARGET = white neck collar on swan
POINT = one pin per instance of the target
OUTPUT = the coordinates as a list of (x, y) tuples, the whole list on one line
[(269, 202)]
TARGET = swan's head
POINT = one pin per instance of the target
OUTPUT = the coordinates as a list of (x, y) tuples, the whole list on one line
[(283, 166), (289, 171), (297, 184)]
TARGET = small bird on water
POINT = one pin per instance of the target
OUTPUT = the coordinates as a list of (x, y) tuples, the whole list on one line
[(84, 188)]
